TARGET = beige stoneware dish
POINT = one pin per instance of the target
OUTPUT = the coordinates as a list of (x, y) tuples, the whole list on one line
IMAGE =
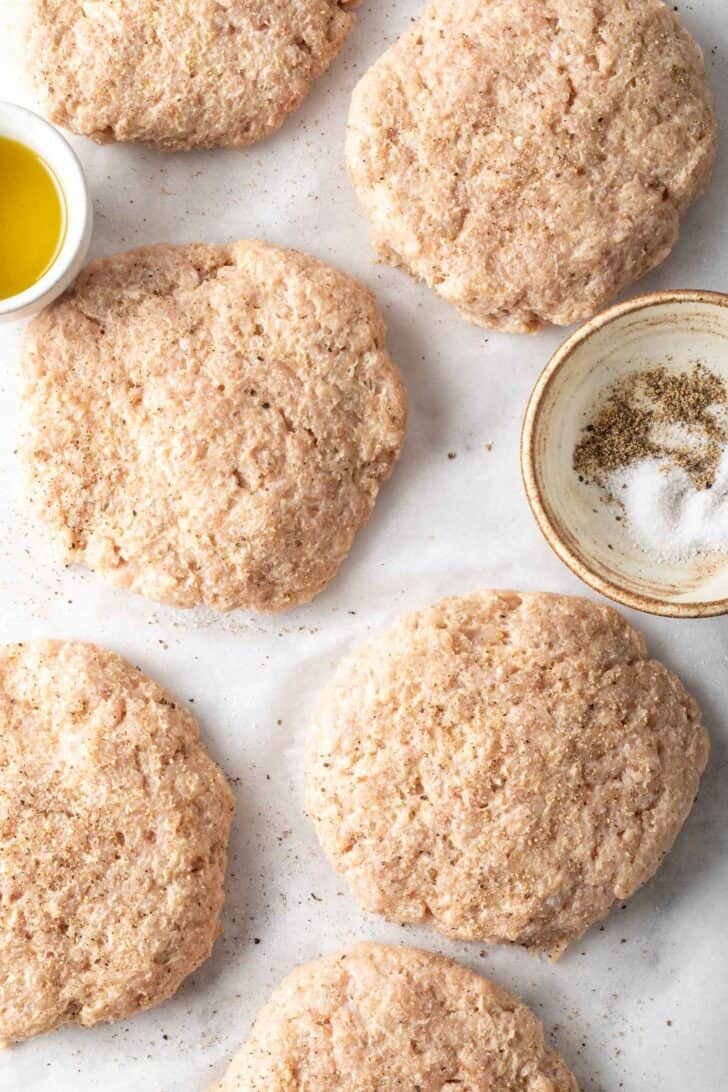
[(676, 329)]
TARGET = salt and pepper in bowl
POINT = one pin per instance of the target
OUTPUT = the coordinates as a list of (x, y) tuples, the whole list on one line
[(624, 453)]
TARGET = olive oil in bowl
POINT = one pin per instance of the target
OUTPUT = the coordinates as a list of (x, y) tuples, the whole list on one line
[(32, 218)]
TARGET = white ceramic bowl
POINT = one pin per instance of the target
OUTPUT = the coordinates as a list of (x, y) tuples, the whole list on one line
[(670, 328), (22, 125)]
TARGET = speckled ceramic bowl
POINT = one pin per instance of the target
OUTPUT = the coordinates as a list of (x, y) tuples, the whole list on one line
[(675, 329)]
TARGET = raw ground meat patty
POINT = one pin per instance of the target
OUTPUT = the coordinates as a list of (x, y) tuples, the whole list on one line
[(529, 159), (211, 424), (379, 1019), (504, 765), (180, 74), (114, 824)]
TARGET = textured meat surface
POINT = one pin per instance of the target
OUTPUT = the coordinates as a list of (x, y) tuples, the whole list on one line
[(181, 73), (529, 159), (505, 765), (379, 1019), (113, 836), (211, 424)]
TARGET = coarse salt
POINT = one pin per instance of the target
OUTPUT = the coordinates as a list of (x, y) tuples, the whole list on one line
[(665, 514)]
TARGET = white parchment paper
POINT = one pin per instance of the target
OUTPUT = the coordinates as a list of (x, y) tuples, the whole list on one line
[(641, 1003)]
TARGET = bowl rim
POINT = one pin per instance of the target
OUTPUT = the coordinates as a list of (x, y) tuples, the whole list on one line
[(609, 588), (51, 145)]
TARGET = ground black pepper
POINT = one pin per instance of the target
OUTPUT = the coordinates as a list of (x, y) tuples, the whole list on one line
[(680, 417)]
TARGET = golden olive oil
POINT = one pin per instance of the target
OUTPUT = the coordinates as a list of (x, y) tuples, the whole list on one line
[(32, 217)]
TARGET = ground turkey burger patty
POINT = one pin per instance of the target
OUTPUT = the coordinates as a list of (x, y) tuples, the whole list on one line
[(504, 765), (211, 424), (379, 1019), (529, 159), (114, 824), (180, 74)]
